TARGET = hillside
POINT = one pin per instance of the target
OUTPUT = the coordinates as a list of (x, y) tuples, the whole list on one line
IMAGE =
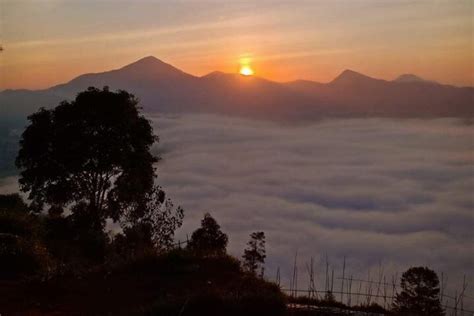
[(173, 284)]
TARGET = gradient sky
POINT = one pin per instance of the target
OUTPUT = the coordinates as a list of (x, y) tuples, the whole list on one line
[(50, 42)]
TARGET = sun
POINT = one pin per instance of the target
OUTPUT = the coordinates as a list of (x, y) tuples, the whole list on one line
[(246, 71)]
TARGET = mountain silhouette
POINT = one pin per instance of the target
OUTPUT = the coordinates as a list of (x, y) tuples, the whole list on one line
[(163, 88), (355, 94), (349, 78), (410, 78), (147, 71)]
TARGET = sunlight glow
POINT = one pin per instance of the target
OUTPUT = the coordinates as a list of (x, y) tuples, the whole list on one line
[(246, 71)]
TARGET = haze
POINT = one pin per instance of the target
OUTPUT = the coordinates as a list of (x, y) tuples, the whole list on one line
[(50, 42)]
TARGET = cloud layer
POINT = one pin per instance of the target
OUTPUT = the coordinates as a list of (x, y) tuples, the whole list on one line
[(381, 192), (397, 192)]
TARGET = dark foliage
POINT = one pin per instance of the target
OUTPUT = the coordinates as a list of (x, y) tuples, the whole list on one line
[(222, 288), (217, 304), (151, 227), (208, 240), (254, 255), (12, 203), (419, 295), (372, 308), (329, 297), (93, 152), (154, 284), (22, 252), (92, 157), (74, 244)]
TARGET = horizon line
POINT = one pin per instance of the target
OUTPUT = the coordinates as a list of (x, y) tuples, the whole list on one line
[(237, 74)]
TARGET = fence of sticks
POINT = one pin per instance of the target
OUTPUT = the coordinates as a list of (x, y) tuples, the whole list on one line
[(346, 291)]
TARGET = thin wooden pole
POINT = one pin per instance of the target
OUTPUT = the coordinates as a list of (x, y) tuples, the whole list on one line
[(343, 275), (332, 281), (349, 300), (326, 283)]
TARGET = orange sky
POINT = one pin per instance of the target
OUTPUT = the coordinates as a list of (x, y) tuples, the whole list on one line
[(50, 42)]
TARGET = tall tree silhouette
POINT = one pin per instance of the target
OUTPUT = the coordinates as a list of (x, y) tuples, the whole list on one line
[(419, 295), (91, 154), (254, 254), (208, 240)]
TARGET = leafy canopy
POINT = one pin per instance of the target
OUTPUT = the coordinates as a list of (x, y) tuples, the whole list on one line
[(254, 255), (208, 240), (92, 153), (153, 226), (419, 295)]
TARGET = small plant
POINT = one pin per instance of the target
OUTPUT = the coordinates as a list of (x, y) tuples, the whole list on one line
[(254, 255)]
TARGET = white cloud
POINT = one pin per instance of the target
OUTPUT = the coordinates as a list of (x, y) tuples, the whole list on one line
[(375, 190)]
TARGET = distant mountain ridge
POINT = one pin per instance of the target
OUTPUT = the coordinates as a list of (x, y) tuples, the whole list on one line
[(163, 88), (413, 78)]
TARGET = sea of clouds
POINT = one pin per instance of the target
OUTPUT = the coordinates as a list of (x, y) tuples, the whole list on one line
[(386, 194)]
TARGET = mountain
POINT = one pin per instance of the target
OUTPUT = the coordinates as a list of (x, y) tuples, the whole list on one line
[(355, 94), (152, 80), (410, 78), (350, 78), (162, 88), (254, 97)]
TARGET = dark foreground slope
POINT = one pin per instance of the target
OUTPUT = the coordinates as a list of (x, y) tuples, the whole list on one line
[(172, 284)]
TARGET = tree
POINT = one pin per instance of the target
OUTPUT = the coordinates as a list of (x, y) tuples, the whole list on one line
[(254, 255), (153, 226), (419, 295), (208, 240), (91, 155)]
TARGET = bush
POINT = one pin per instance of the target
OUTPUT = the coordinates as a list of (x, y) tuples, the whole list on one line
[(21, 258), (196, 285), (74, 246), (215, 303), (372, 308), (22, 252), (13, 203)]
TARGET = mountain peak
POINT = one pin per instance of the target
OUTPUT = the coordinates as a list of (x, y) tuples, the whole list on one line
[(149, 61), (412, 78), (350, 76), (215, 74), (151, 66), (150, 57), (348, 73)]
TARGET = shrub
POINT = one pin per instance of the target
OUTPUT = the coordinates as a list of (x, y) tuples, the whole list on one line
[(22, 252)]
